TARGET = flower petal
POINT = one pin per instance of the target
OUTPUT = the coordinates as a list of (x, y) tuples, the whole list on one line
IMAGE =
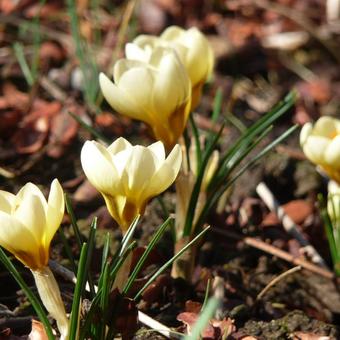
[(158, 150), (120, 100), (326, 126), (172, 33), (7, 201), (120, 159), (166, 174), (99, 169), (306, 131), (55, 211), (314, 148), (139, 170), (138, 81), (332, 153), (135, 52), (118, 145), (30, 189), (19, 240), (172, 84), (31, 212)]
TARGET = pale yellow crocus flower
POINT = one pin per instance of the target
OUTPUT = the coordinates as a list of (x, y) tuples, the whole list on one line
[(321, 145), (28, 223), (192, 48), (129, 176), (157, 92)]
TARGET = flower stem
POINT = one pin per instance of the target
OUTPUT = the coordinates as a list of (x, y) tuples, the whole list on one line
[(49, 292)]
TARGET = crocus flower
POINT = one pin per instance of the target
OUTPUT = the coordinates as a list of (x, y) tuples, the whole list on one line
[(321, 145), (156, 92), (192, 48), (28, 223), (129, 176)]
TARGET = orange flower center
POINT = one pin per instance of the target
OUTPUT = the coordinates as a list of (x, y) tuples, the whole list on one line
[(333, 134)]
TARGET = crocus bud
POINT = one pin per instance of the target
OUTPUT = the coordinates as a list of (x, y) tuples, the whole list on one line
[(28, 223), (156, 92), (333, 205), (211, 166), (321, 145), (192, 48), (129, 176)]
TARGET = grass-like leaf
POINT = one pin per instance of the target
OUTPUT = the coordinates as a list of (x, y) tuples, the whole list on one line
[(188, 226), (68, 250), (69, 209), (32, 298), (329, 228), (78, 293), (215, 196), (203, 320), (236, 152), (87, 65), (89, 128), (168, 263), (20, 55), (159, 233)]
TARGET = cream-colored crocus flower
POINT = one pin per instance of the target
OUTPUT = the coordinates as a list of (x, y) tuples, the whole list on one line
[(156, 92), (28, 223), (129, 176), (321, 145), (192, 48)]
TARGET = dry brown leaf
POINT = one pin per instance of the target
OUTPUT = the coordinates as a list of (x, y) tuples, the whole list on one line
[(9, 6), (86, 193), (297, 210), (309, 336), (318, 90), (31, 137), (189, 319), (15, 98), (63, 131)]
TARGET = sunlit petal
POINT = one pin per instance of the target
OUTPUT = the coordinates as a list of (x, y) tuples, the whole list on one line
[(55, 211), (18, 239), (7, 201), (98, 167)]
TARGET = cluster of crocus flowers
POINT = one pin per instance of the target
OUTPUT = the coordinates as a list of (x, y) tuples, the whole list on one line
[(28, 224), (161, 80), (157, 93), (321, 145), (129, 176), (191, 46)]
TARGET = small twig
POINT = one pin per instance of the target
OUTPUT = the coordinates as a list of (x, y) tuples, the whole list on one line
[(288, 224), (276, 280), (292, 153), (206, 124), (259, 244), (218, 293), (302, 21), (53, 89), (142, 317)]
